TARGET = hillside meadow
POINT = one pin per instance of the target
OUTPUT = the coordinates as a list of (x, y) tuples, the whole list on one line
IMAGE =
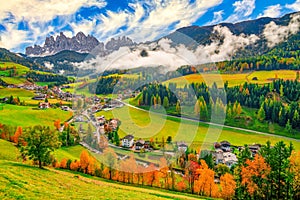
[(234, 79), (143, 124), (26, 96), (29, 116), (20, 69), (21, 181), (8, 151)]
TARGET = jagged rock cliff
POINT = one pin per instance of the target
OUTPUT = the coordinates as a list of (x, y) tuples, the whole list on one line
[(79, 43)]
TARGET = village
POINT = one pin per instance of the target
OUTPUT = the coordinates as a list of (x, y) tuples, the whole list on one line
[(222, 152)]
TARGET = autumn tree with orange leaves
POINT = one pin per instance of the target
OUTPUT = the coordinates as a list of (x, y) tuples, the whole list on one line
[(192, 173), (84, 161), (57, 124), (228, 186), (205, 184), (63, 163), (181, 186), (255, 176), (295, 169), (75, 165), (151, 176), (16, 136), (92, 167)]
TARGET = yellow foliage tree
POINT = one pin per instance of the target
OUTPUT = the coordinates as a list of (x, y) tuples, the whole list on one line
[(228, 186)]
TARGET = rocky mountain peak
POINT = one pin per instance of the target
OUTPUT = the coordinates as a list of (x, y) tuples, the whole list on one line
[(79, 43), (115, 44)]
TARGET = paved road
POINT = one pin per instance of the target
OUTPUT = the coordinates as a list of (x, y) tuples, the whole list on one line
[(214, 124)]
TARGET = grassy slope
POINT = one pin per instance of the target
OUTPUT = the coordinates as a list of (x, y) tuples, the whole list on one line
[(25, 95), (20, 181), (20, 73), (8, 151), (28, 116), (5, 92), (234, 79), (72, 153), (13, 80), (142, 125), (21, 70)]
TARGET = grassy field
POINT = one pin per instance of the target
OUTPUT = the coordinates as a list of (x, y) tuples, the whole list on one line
[(26, 96), (144, 125), (21, 70), (29, 116), (78, 89), (13, 80), (72, 153), (8, 151), (267, 76), (11, 153), (6, 92), (19, 181), (44, 83), (234, 79), (131, 76)]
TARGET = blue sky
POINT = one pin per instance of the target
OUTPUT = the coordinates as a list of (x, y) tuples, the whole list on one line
[(25, 23)]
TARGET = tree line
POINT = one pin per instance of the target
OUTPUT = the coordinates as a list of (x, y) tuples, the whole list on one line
[(277, 101), (46, 77)]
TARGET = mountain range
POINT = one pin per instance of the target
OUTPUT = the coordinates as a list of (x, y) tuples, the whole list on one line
[(79, 43), (250, 38)]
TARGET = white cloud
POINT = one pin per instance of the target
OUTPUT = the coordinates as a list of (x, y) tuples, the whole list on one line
[(294, 6), (243, 9), (37, 10), (37, 15), (48, 65), (272, 11), (143, 21), (223, 50), (85, 26), (218, 17), (147, 23), (12, 37), (275, 33), (165, 54)]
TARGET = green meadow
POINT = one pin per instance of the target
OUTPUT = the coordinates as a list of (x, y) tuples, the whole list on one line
[(234, 79), (143, 124), (6, 92), (72, 152), (22, 181), (20, 69), (26, 96), (29, 116), (8, 151)]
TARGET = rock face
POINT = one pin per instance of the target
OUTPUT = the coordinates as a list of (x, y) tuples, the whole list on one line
[(79, 43), (115, 44)]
